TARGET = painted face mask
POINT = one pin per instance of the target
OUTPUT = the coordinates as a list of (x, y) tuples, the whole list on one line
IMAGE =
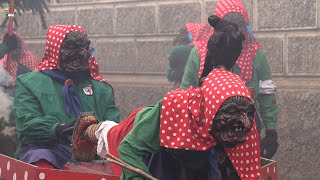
[(233, 121), (55, 37), (75, 52)]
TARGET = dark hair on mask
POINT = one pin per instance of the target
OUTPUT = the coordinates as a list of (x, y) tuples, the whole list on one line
[(224, 46), (73, 45), (75, 39)]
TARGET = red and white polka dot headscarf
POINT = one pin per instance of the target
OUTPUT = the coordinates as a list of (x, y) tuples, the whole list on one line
[(187, 119), (51, 58), (199, 31), (26, 58), (248, 52)]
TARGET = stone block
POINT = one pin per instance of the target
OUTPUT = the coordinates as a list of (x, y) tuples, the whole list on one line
[(116, 56), (210, 7), (249, 7), (29, 24), (174, 16), (298, 127), (96, 21), (69, 1), (37, 49), (303, 55), (58, 17), (286, 14), (135, 20), (129, 98), (273, 47), (152, 56)]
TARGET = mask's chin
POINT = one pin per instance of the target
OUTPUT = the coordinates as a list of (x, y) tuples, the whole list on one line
[(231, 144), (76, 66), (74, 72)]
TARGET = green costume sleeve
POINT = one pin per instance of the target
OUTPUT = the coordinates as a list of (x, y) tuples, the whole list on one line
[(142, 140), (111, 110), (190, 76), (268, 107), (30, 121), (3, 50)]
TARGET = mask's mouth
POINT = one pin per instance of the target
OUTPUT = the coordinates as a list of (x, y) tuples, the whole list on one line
[(75, 52), (74, 66), (74, 61), (232, 133)]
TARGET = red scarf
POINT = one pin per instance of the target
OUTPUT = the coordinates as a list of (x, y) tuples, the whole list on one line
[(26, 58), (187, 118), (248, 53), (55, 36)]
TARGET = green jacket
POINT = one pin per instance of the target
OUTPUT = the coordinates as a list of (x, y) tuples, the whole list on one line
[(266, 102), (141, 140), (39, 106), (144, 139)]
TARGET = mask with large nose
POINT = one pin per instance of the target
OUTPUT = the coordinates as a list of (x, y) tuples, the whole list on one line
[(75, 53), (233, 121)]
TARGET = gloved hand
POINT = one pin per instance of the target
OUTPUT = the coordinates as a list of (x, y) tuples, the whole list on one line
[(11, 41), (64, 131), (269, 144)]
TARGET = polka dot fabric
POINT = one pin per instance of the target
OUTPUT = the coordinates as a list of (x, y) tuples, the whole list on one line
[(248, 53), (55, 37), (26, 58), (245, 158), (199, 31), (187, 119), (228, 6)]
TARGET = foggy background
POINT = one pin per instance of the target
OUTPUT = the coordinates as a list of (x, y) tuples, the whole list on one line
[(132, 38)]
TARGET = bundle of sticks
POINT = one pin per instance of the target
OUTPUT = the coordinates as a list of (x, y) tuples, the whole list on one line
[(115, 160)]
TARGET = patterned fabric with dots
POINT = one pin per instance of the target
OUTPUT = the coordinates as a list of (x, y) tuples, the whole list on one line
[(187, 119), (55, 37), (26, 58)]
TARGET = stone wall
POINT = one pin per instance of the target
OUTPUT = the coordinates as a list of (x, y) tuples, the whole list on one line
[(132, 38)]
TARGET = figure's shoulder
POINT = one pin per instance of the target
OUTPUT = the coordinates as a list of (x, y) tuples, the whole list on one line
[(260, 55), (260, 58), (33, 76), (36, 81), (102, 86)]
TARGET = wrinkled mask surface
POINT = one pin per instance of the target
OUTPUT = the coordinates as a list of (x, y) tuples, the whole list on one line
[(75, 53), (233, 121)]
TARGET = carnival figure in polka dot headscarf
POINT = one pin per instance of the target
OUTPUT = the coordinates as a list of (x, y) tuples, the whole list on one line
[(252, 66), (21, 60), (48, 101), (56, 35), (171, 140)]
